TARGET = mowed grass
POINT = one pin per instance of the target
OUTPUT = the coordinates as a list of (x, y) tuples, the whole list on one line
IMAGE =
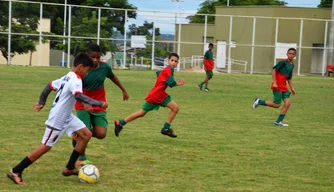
[(222, 145)]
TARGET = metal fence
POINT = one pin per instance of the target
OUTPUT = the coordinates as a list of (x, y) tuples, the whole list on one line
[(247, 44)]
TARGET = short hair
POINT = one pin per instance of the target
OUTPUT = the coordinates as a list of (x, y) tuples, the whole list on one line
[(94, 48), (292, 49), (84, 59), (211, 44), (174, 55)]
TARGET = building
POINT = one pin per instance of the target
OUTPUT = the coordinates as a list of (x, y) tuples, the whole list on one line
[(265, 54)]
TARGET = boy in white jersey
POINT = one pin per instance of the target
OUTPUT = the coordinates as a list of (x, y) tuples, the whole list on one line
[(61, 120)]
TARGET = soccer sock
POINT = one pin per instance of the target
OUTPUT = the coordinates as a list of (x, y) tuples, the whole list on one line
[(71, 162), (22, 165), (202, 83), (280, 117), (262, 102), (82, 158), (122, 122), (166, 126), (206, 87)]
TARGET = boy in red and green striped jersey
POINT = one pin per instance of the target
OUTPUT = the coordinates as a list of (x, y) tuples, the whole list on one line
[(158, 97), (208, 63), (95, 118), (281, 73)]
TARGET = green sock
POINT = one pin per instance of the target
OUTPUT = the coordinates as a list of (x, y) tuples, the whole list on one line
[(206, 87), (82, 158), (166, 126), (280, 118), (202, 83), (122, 122), (262, 102)]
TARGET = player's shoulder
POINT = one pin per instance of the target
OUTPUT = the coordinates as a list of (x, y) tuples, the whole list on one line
[(104, 65)]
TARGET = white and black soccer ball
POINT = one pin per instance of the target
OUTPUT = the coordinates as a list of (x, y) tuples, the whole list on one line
[(89, 174)]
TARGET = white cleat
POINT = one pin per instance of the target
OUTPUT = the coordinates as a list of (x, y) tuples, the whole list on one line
[(256, 103), (281, 124)]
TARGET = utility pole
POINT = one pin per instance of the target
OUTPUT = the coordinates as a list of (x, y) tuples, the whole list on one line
[(330, 57), (228, 3)]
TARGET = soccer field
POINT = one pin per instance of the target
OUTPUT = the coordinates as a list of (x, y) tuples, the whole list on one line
[(222, 144)]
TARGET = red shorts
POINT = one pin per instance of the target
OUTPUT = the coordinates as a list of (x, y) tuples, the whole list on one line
[(209, 65)]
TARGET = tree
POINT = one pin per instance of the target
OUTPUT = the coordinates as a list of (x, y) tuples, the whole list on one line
[(325, 4), (22, 22), (84, 22), (209, 7)]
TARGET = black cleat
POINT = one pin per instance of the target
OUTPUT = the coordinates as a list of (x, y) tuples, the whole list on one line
[(168, 132), (118, 127), (200, 87)]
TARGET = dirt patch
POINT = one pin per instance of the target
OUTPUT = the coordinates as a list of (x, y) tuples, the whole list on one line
[(195, 69)]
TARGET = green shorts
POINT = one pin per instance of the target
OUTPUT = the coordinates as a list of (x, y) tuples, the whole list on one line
[(91, 119), (279, 96), (149, 106), (209, 73)]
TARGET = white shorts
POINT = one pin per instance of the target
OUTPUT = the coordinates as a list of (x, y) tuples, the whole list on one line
[(52, 135)]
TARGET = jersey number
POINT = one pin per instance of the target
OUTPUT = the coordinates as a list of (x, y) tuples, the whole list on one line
[(60, 90)]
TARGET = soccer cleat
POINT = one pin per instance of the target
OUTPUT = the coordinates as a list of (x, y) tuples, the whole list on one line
[(168, 132), (66, 172), (15, 177), (281, 124), (256, 103), (118, 127), (200, 87), (83, 162), (207, 89)]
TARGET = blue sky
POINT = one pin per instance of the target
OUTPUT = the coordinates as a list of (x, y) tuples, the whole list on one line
[(166, 21), (192, 5)]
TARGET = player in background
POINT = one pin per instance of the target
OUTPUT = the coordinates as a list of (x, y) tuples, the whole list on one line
[(61, 120), (93, 86), (208, 64), (158, 97), (281, 73)]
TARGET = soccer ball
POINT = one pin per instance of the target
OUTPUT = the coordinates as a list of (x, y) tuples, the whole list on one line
[(89, 174)]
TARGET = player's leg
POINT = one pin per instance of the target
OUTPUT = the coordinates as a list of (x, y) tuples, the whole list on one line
[(174, 109), (209, 75), (276, 103), (76, 126), (141, 113), (50, 137), (284, 110), (100, 124), (86, 118)]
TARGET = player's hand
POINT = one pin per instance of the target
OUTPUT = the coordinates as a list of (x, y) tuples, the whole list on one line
[(125, 96), (181, 82), (293, 92), (275, 86), (105, 105), (88, 107), (38, 107)]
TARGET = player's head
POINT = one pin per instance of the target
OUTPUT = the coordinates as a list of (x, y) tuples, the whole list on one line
[(173, 59), (210, 46), (291, 53), (82, 63), (94, 52)]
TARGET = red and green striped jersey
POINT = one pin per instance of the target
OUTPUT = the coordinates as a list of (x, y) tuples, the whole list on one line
[(165, 79), (284, 71), (93, 85)]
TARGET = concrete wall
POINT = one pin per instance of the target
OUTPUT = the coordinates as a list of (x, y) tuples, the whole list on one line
[(43, 51)]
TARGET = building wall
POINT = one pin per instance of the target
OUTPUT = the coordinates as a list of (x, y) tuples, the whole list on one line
[(288, 32), (41, 51)]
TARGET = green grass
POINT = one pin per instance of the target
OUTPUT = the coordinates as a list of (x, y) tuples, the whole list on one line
[(222, 144)]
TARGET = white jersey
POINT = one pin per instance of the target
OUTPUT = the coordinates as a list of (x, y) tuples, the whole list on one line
[(61, 112)]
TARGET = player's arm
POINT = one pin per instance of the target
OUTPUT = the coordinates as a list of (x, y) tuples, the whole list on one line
[(291, 85), (273, 75), (85, 99), (117, 82), (43, 97)]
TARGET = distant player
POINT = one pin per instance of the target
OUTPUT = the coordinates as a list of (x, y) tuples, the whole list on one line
[(158, 97), (93, 86), (281, 73), (61, 120), (208, 64)]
